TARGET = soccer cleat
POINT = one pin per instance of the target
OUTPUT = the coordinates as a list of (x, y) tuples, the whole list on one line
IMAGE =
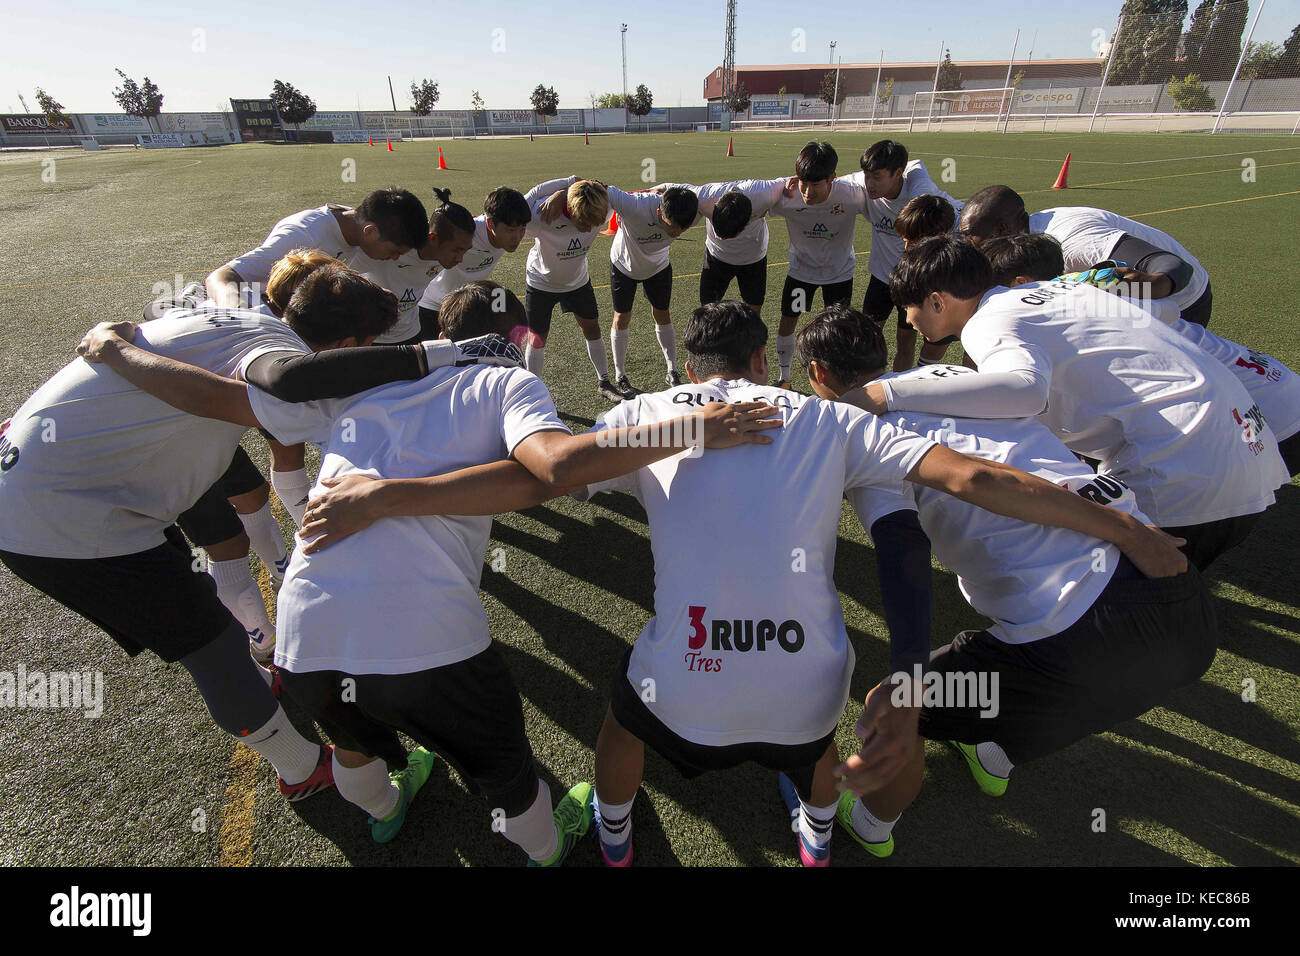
[(782, 383), (809, 854), (990, 783), (606, 388), (322, 778), (626, 388), (673, 378), (419, 763), (620, 855), (271, 674), (573, 816), (844, 814)]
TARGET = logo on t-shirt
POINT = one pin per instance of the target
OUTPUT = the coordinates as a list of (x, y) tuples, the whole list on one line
[(575, 245), (818, 231), (8, 454), (408, 298), (1252, 427), (1259, 364), (736, 635), (837, 209)]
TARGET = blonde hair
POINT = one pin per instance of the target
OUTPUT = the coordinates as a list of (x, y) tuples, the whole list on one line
[(588, 202), (289, 271)]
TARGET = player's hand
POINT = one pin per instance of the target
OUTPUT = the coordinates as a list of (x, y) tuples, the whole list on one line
[(725, 425), (1155, 553), (869, 398), (552, 207), (889, 735), (4, 426), (1135, 284), (103, 337), (791, 187), (349, 505)]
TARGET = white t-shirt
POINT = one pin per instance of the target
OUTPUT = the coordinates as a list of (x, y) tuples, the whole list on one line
[(310, 229), (406, 278), (557, 262), (641, 247), (750, 244), (1173, 424), (1032, 580), (886, 244), (1270, 383), (402, 595), (1088, 236), (95, 468), (748, 642), (478, 264), (821, 236)]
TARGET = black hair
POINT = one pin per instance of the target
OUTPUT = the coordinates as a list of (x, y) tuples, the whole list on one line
[(816, 161), (731, 214), (398, 214), (939, 264), (449, 218), (994, 211), (923, 217), (679, 206), (480, 308), (886, 154), (508, 207), (721, 338), (334, 302), (1037, 256), (845, 342)]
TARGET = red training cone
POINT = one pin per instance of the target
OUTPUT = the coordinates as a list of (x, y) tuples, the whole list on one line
[(731, 146), (372, 141), (390, 144), (530, 136), (1065, 172), (587, 136), (442, 163), (613, 225)]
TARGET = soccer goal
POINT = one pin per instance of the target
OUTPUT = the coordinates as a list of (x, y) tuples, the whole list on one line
[(958, 109)]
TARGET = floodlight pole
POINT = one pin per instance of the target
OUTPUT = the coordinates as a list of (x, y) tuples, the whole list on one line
[(1241, 59), (391, 95), (876, 96), (935, 88), (1007, 85), (1110, 56), (835, 95), (623, 34)]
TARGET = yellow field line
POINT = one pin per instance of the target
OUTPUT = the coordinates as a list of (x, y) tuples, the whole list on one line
[(1148, 179), (1224, 202)]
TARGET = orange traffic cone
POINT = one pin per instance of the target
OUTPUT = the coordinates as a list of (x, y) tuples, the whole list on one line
[(587, 136), (390, 144), (731, 146), (1065, 173), (613, 225), (372, 141), (442, 163), (530, 136)]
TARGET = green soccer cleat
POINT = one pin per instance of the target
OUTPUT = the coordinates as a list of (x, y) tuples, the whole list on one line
[(573, 816), (419, 763), (991, 784), (844, 814)]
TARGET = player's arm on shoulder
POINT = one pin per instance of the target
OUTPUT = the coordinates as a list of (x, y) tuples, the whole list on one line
[(186, 388), (223, 285), (338, 373), (1019, 393)]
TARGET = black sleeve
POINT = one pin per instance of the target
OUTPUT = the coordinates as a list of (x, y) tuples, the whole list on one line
[(337, 373), (1144, 257), (903, 562)]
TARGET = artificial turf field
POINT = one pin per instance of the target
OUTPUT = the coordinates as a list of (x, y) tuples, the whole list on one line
[(1208, 779)]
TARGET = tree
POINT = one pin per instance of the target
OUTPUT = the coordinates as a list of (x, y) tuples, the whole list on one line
[(641, 102), (827, 92), (886, 92), (1222, 46), (781, 92), (294, 106), (51, 107), (1191, 94), (144, 100), (739, 98), (1017, 79), (545, 100), (1261, 60), (1193, 43), (1147, 42), (1288, 64), (610, 101), (476, 102), (950, 77), (424, 95)]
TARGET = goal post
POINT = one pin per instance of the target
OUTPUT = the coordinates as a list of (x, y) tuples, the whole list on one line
[(957, 109)]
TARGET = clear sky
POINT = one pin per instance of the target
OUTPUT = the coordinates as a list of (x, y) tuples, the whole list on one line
[(340, 51)]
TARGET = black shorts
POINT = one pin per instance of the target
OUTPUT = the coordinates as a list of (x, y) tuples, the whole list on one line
[(1205, 542), (716, 276), (796, 761), (658, 288), (539, 305), (1140, 639), (1290, 449), (835, 292), (213, 519), (877, 304), (1198, 313), (468, 712), (153, 600), (429, 327)]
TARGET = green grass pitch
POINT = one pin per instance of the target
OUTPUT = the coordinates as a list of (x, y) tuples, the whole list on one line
[(1206, 779)]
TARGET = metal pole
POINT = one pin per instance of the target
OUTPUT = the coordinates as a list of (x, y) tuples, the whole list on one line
[(1047, 106), (938, 63), (835, 96), (390, 94), (1114, 42), (876, 97), (1007, 85), (1244, 47), (624, 37)]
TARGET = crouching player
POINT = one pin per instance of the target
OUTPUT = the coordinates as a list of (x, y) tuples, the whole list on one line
[(1080, 640)]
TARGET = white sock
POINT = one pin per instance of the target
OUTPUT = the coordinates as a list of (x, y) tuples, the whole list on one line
[(293, 756), (815, 822), (268, 541), (596, 352), (667, 337), (785, 354), (533, 356), (368, 786), (534, 830), (929, 361), (292, 488), (994, 759), (615, 821), (868, 827), (618, 339), (239, 592)]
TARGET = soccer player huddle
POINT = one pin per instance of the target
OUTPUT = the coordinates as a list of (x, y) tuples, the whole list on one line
[(1097, 451)]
